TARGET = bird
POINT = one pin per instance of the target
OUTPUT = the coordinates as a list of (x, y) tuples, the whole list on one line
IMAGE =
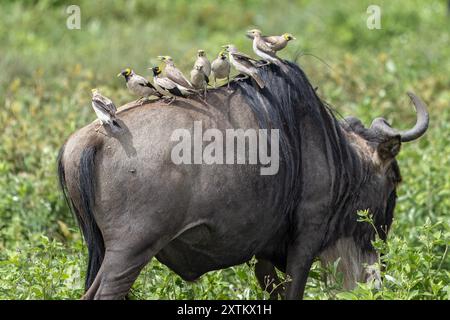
[(220, 68), (203, 61), (165, 86), (105, 110), (199, 79), (263, 49), (244, 64), (276, 43), (174, 74), (138, 85)]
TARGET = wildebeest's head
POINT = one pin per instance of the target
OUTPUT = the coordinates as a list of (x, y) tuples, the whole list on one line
[(378, 147)]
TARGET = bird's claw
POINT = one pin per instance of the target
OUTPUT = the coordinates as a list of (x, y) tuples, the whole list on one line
[(169, 100)]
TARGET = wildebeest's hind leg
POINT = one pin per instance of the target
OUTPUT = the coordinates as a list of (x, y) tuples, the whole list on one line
[(120, 268), (268, 279)]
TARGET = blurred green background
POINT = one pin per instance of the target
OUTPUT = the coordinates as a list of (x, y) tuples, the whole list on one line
[(47, 71)]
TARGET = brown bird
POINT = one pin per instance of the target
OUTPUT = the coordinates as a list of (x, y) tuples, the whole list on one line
[(244, 64), (138, 85), (174, 74), (220, 68), (277, 43), (105, 110), (203, 61), (165, 86), (199, 79), (262, 48)]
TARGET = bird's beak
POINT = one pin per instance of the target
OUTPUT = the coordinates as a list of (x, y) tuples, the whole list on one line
[(162, 58), (294, 38), (119, 74)]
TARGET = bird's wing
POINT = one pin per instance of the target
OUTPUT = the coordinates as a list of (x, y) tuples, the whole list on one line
[(215, 64), (265, 47), (177, 76), (143, 82), (165, 83), (104, 104), (168, 85), (271, 40), (244, 59)]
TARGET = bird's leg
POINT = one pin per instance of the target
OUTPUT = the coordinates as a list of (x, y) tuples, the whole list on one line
[(204, 94), (264, 63), (142, 100), (241, 78), (214, 82), (228, 83)]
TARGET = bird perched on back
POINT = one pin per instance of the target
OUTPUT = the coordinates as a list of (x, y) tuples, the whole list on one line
[(220, 68), (105, 110), (174, 74), (203, 61), (199, 79), (165, 86), (244, 64), (276, 43), (263, 49), (138, 85)]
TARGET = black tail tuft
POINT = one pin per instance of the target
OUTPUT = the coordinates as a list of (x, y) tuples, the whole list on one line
[(91, 232), (84, 212), (115, 123)]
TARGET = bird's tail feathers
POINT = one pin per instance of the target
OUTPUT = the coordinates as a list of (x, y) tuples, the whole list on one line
[(279, 62), (191, 92), (258, 80)]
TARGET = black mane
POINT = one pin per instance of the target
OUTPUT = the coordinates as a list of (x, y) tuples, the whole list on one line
[(287, 101)]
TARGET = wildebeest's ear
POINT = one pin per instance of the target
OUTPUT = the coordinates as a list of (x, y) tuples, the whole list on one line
[(389, 148)]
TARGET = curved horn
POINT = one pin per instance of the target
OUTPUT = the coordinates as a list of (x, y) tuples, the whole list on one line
[(382, 126)]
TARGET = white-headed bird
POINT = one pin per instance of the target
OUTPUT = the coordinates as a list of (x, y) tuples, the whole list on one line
[(244, 64), (105, 110), (138, 85), (220, 68)]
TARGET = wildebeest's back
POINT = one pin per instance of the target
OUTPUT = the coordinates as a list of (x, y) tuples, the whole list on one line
[(207, 208)]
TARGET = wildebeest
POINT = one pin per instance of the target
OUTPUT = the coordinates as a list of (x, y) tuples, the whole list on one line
[(133, 203)]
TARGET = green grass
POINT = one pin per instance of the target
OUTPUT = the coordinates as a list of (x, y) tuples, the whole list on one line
[(48, 71)]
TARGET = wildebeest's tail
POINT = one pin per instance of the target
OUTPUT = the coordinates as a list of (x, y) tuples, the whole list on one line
[(82, 208)]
